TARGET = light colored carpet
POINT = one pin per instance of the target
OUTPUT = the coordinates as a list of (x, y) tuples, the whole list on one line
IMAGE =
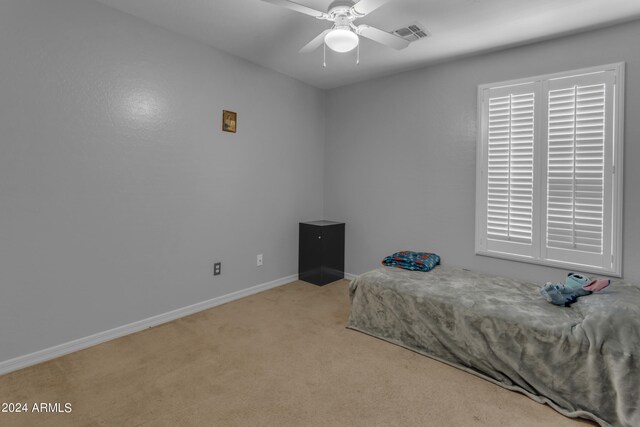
[(279, 358)]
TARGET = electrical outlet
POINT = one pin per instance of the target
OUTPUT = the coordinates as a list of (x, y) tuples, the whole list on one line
[(259, 260), (217, 268)]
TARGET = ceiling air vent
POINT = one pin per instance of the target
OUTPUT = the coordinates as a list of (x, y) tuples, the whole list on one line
[(412, 32)]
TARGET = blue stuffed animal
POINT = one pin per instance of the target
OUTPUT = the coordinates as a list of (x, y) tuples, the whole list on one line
[(567, 293)]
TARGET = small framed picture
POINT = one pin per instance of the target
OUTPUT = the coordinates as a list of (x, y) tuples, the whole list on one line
[(229, 121)]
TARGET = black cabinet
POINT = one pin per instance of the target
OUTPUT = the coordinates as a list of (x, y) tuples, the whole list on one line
[(321, 252)]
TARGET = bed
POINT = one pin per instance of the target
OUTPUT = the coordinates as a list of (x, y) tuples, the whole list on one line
[(581, 360)]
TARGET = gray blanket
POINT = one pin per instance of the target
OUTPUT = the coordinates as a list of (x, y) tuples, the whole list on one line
[(583, 360)]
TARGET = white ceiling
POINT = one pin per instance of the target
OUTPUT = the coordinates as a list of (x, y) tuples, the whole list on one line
[(271, 36)]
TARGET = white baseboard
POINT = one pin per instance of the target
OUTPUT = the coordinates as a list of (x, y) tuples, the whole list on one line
[(82, 343), (350, 276)]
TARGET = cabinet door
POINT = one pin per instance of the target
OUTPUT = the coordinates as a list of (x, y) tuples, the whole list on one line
[(332, 253), (310, 254)]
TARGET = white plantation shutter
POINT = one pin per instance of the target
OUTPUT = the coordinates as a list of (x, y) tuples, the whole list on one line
[(549, 176), (579, 169), (510, 171), (510, 131)]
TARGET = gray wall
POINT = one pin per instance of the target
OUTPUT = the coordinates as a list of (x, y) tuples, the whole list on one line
[(117, 187), (401, 151)]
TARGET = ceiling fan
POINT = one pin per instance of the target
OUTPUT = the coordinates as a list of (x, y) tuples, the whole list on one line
[(344, 35)]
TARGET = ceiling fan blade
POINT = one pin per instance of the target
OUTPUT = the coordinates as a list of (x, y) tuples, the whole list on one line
[(382, 37), (364, 7), (297, 7), (315, 43)]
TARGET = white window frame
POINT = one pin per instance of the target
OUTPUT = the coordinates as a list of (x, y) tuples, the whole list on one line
[(613, 165)]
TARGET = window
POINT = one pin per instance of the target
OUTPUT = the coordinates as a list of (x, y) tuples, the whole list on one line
[(549, 173)]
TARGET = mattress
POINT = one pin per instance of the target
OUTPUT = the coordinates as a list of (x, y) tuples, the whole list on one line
[(582, 360)]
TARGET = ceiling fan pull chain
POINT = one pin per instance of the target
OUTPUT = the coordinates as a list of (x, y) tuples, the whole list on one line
[(358, 54), (324, 55)]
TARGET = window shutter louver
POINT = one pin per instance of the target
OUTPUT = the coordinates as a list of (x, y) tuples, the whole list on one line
[(579, 137), (575, 178), (509, 174), (510, 184)]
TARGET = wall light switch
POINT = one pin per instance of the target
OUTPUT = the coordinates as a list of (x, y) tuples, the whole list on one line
[(259, 260)]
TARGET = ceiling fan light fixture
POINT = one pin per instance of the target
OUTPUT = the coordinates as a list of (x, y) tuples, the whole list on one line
[(341, 40)]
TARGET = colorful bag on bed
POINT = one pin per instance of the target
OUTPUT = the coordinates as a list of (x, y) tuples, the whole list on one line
[(415, 261)]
